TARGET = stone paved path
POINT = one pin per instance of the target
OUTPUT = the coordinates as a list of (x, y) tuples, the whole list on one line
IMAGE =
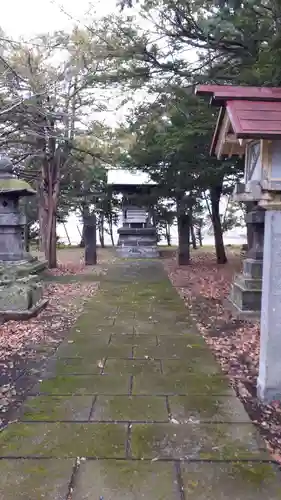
[(136, 394)]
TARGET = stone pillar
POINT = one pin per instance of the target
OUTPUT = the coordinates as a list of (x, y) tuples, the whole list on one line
[(245, 295), (252, 266), (269, 379), (90, 236), (249, 207)]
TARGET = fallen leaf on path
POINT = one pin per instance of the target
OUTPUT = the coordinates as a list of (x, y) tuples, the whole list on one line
[(204, 286)]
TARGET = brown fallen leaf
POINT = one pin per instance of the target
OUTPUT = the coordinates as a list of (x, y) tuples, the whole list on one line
[(204, 286)]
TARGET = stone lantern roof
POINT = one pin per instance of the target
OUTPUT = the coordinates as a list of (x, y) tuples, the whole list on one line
[(9, 184)]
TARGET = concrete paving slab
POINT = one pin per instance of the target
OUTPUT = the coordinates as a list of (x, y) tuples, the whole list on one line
[(132, 366), (170, 350), (133, 340), (197, 441), (78, 366), (93, 353), (130, 408), (164, 422), (202, 408), (124, 480), (53, 408), (85, 384), (64, 440), (201, 364), (237, 481), (181, 384), (35, 479)]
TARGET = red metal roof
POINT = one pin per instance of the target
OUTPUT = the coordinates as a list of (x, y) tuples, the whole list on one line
[(254, 112), (255, 119), (221, 93)]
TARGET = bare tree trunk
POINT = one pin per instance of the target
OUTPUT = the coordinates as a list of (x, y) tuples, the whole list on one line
[(67, 235), (52, 257), (51, 181), (110, 224), (101, 230), (42, 216), (193, 237), (183, 234), (51, 243), (79, 231), (215, 194), (168, 234), (82, 235), (199, 236), (90, 234)]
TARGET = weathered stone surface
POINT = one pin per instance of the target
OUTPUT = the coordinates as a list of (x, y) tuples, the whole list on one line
[(200, 364), (73, 366), (202, 408), (57, 408), (141, 252), (92, 352), (188, 412), (269, 379), (237, 481), (124, 480), (197, 441), (245, 294), (171, 349), (181, 383), (133, 340), (132, 366), (34, 479), (62, 440), (20, 292), (130, 408), (85, 384)]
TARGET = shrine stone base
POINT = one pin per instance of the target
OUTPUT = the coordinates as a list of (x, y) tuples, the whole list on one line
[(245, 294), (21, 293), (137, 243), (136, 252)]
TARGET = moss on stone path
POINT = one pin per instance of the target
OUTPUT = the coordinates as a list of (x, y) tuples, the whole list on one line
[(135, 386)]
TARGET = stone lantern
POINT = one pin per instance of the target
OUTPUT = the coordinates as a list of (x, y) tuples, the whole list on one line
[(20, 290), (249, 125)]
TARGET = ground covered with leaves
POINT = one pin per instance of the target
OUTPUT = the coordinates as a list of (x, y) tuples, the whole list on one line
[(204, 286), (71, 261), (26, 345)]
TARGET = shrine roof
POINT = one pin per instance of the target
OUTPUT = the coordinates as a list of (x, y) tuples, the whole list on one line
[(254, 113), (221, 93)]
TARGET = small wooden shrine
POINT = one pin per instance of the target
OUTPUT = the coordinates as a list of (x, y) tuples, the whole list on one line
[(137, 236), (249, 125)]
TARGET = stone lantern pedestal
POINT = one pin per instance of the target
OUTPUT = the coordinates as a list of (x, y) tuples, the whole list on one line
[(20, 288), (246, 289)]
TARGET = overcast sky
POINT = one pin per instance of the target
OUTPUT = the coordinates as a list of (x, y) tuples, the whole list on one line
[(30, 17)]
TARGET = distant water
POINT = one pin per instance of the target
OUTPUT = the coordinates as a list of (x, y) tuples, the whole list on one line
[(236, 236)]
